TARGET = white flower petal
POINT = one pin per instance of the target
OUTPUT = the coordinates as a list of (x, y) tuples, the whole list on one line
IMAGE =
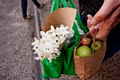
[(36, 58), (48, 45)]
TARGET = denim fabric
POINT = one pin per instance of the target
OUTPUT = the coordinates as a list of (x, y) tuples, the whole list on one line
[(24, 6), (89, 7), (36, 3)]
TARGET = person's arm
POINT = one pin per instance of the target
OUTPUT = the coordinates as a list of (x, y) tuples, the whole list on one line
[(108, 17)]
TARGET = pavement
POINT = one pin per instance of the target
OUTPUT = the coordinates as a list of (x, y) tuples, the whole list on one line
[(16, 56)]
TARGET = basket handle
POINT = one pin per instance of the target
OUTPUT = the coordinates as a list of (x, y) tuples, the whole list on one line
[(94, 37)]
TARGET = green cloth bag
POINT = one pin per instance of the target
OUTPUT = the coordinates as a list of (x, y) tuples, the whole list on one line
[(53, 69), (64, 63), (68, 67)]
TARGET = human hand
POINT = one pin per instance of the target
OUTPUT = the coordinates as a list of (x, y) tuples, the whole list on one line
[(107, 17)]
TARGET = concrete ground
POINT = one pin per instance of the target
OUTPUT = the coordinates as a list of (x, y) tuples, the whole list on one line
[(16, 56)]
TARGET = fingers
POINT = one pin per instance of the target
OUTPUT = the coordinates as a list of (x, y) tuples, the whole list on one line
[(91, 29), (108, 24), (103, 31), (115, 18), (88, 20), (116, 22), (89, 16)]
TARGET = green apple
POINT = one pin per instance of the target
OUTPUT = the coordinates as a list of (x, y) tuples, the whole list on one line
[(84, 51), (97, 45)]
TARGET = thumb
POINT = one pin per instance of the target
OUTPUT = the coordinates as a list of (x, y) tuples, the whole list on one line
[(108, 24), (103, 31)]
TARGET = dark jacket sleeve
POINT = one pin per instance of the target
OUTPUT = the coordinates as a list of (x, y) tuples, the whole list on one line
[(89, 6)]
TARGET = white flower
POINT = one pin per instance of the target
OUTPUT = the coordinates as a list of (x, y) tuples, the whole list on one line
[(36, 42), (48, 45), (36, 58)]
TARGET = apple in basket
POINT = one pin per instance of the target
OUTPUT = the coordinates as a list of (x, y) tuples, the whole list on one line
[(84, 51), (96, 45), (85, 41)]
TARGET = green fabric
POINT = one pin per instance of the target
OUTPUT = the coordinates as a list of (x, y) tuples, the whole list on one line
[(52, 7), (68, 67), (55, 5), (52, 69), (64, 63), (83, 27)]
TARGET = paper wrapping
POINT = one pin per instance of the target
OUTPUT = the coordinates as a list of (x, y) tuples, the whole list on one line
[(87, 66), (65, 16)]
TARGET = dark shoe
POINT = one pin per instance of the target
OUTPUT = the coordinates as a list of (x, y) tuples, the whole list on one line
[(41, 5), (28, 17)]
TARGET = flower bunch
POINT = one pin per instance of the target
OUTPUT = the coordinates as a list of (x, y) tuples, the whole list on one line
[(48, 45)]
